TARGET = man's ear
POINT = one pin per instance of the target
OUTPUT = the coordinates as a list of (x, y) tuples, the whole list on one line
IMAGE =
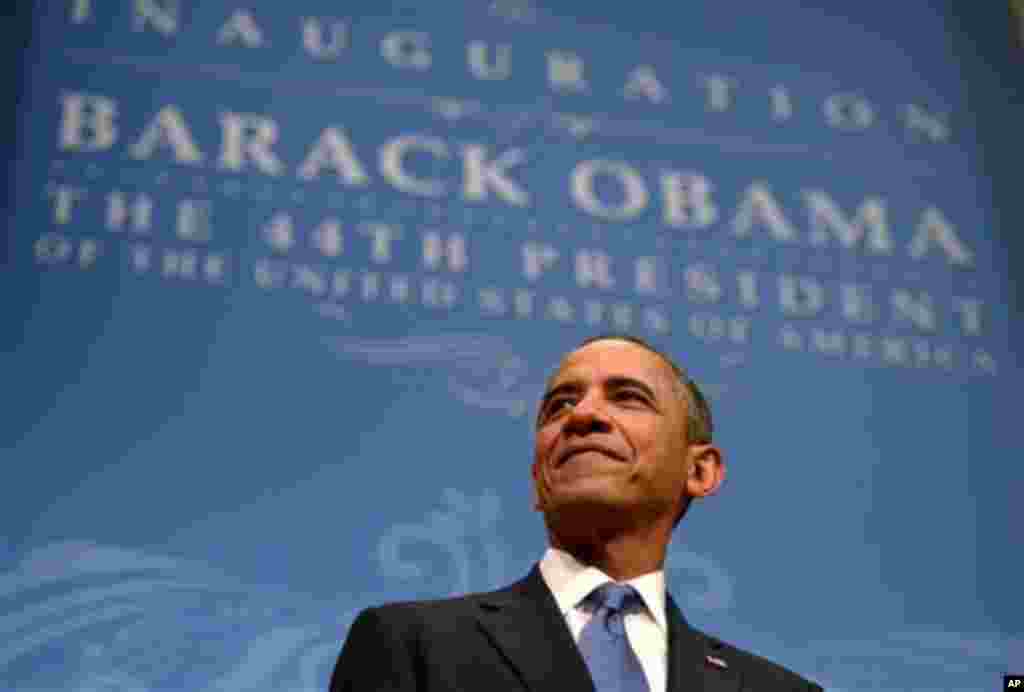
[(706, 470)]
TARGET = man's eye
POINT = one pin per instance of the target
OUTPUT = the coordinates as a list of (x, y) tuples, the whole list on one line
[(627, 394), (556, 405)]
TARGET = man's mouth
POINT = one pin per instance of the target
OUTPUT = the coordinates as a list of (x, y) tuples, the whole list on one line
[(569, 453)]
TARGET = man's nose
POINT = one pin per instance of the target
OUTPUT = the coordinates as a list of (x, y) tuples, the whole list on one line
[(588, 415)]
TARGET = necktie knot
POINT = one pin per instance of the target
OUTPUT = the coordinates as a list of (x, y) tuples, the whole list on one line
[(615, 598)]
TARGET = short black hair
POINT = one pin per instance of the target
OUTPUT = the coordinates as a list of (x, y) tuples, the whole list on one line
[(699, 425)]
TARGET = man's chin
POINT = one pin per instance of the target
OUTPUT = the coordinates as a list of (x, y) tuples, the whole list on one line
[(587, 502)]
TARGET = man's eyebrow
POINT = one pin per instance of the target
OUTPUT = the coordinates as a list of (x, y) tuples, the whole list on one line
[(623, 382), (615, 382)]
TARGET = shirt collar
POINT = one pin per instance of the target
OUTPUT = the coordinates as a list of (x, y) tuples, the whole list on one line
[(570, 581)]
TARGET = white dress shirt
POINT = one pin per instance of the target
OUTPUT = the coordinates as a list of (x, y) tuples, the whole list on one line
[(647, 629)]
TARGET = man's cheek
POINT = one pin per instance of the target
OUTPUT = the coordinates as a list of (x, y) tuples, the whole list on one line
[(542, 448)]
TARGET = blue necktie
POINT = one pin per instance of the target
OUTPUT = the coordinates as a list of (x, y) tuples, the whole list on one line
[(613, 664)]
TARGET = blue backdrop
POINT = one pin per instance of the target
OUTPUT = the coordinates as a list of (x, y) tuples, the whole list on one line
[(283, 283)]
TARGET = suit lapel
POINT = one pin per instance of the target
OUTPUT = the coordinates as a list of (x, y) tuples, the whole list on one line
[(695, 661), (524, 623)]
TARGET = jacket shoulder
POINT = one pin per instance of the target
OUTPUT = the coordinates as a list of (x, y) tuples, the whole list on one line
[(426, 607), (416, 617)]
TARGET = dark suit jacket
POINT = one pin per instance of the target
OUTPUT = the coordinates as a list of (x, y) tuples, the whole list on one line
[(516, 639)]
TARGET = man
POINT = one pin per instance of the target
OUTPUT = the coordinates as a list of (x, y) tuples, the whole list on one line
[(623, 446)]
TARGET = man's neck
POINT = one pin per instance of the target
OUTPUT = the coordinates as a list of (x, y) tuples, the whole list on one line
[(621, 556)]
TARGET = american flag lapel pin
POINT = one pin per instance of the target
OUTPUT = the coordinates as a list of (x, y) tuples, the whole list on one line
[(716, 661)]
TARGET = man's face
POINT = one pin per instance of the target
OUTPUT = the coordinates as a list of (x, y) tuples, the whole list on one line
[(611, 435)]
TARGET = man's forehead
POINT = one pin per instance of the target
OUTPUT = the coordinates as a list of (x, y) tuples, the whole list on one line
[(611, 358)]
